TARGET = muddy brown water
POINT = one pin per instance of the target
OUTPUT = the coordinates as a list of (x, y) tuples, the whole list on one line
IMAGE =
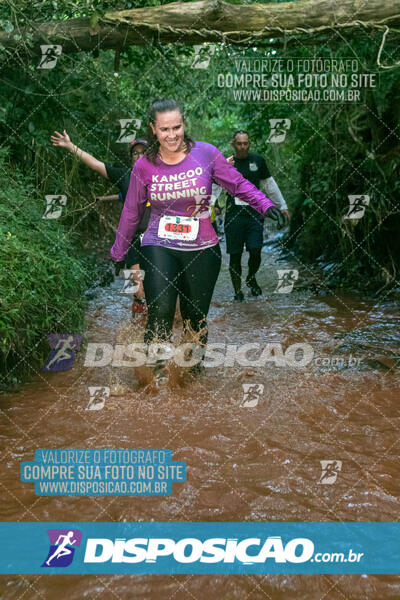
[(258, 463)]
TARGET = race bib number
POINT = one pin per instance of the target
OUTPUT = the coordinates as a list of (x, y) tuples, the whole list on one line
[(178, 228), (241, 202)]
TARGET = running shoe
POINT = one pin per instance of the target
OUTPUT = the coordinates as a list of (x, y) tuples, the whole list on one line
[(239, 296), (196, 351), (255, 289), (197, 369), (160, 372)]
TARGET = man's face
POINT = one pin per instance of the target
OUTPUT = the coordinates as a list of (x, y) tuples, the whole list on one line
[(137, 152), (241, 145)]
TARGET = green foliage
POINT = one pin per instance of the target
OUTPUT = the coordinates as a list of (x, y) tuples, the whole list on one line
[(42, 280), (317, 167), (330, 151)]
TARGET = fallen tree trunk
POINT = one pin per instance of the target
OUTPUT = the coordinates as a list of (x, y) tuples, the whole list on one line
[(207, 21)]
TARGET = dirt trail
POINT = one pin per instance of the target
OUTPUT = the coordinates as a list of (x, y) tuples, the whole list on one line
[(244, 463)]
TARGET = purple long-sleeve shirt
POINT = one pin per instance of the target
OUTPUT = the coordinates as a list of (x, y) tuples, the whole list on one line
[(182, 190)]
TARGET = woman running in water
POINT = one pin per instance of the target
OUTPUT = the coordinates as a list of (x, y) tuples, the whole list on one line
[(181, 253)]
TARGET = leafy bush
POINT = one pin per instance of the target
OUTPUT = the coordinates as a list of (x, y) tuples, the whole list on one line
[(42, 280)]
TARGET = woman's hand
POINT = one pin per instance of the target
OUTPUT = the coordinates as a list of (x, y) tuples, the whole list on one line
[(61, 139), (275, 214)]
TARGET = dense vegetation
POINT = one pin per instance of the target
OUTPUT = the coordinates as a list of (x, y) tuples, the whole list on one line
[(330, 151), (42, 278)]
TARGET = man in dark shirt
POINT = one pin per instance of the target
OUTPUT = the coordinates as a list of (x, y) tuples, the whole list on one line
[(243, 225), (119, 176)]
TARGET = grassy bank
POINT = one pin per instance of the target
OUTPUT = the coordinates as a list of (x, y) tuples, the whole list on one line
[(42, 278)]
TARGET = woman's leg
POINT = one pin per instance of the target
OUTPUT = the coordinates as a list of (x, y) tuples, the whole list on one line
[(199, 273), (161, 274)]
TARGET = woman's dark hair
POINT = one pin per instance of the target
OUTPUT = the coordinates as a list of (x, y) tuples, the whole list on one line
[(160, 106)]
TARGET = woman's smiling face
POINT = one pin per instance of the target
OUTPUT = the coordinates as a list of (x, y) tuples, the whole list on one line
[(169, 129)]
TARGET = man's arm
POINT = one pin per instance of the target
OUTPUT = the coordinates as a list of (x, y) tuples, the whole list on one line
[(63, 140), (271, 189)]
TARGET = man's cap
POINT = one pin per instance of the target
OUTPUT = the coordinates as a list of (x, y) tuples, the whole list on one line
[(139, 141)]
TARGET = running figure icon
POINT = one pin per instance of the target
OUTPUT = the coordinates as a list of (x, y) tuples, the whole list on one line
[(330, 470), (62, 549), (287, 279), (63, 345)]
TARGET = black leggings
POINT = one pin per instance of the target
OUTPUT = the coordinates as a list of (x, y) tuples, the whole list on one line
[(235, 267), (190, 275)]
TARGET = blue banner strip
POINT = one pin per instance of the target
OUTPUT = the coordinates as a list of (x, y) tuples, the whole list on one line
[(199, 548)]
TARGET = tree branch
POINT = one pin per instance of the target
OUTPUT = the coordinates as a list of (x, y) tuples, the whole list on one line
[(208, 21)]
